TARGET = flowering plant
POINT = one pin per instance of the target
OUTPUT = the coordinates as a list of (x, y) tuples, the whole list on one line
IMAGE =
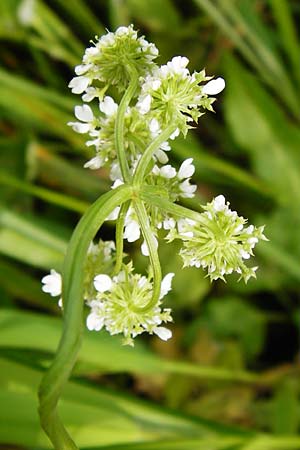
[(132, 139)]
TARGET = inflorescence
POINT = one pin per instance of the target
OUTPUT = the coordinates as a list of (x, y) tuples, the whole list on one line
[(218, 240)]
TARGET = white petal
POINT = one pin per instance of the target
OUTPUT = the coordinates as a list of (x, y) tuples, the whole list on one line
[(117, 183), (84, 113), (52, 284), (144, 104), (154, 126), (102, 283), (214, 87), (80, 127), (108, 106), (187, 169), (82, 68), (132, 231), (166, 284), (94, 321), (94, 163), (163, 333), (79, 84), (175, 134), (168, 171), (161, 156), (90, 94), (219, 203)]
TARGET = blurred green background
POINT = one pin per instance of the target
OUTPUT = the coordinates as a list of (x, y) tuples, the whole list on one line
[(229, 379)]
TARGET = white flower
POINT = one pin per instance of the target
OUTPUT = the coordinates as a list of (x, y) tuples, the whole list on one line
[(177, 65), (52, 283), (163, 333), (132, 229), (85, 114), (102, 283), (108, 106), (94, 163), (144, 104), (168, 172), (187, 189), (187, 169), (90, 94), (95, 320), (166, 285), (79, 84), (214, 87), (175, 134), (219, 203)]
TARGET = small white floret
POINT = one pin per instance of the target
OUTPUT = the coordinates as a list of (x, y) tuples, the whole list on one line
[(84, 113), (214, 87), (94, 321), (52, 284), (79, 84), (163, 333), (108, 106), (132, 231), (94, 163), (219, 203), (166, 284), (102, 283), (187, 169), (144, 105), (168, 172)]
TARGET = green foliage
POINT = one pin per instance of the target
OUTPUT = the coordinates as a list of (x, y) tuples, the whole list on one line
[(222, 373)]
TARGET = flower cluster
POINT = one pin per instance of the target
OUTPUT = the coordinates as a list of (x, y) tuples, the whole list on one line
[(166, 94), (119, 303), (132, 139), (111, 60), (171, 94), (219, 241)]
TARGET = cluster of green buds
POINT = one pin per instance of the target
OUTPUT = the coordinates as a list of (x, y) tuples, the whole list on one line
[(131, 129)]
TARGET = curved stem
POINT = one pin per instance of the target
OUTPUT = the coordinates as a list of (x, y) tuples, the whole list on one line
[(153, 197), (147, 155), (73, 273), (119, 236), (120, 121), (153, 254)]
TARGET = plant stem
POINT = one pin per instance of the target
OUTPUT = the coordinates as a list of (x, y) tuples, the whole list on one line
[(119, 127), (119, 236), (147, 155), (153, 254), (60, 370)]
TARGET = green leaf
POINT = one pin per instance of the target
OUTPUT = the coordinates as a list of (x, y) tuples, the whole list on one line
[(260, 127), (101, 352)]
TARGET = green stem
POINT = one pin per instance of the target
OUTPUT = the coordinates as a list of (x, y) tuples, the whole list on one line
[(73, 274), (147, 155), (119, 236), (120, 122), (153, 254), (151, 196)]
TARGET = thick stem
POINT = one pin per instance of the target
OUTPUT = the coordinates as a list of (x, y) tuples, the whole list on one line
[(119, 127), (62, 365), (119, 236), (147, 155), (153, 254)]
